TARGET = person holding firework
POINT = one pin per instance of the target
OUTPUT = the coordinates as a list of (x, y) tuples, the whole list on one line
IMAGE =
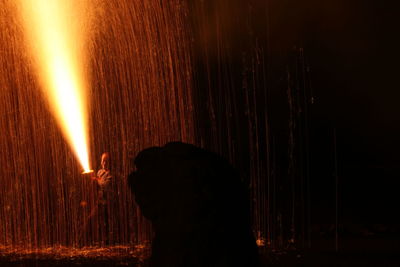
[(105, 200)]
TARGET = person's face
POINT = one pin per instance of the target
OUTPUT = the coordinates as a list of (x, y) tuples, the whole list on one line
[(105, 161)]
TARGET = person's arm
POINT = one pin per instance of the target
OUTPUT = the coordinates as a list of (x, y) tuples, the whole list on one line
[(103, 177), (95, 178)]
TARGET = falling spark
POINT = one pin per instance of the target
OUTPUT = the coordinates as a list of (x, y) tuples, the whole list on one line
[(140, 99), (55, 33)]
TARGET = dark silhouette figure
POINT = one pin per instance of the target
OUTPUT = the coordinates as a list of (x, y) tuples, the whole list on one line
[(198, 206)]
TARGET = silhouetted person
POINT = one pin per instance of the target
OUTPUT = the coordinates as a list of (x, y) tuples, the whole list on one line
[(198, 206)]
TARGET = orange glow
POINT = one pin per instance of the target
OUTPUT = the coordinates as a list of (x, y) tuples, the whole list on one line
[(55, 32)]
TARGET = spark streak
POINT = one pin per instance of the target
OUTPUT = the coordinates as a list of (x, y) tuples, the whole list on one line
[(56, 36)]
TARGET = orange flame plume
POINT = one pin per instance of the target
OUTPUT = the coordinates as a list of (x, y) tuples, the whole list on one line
[(56, 36)]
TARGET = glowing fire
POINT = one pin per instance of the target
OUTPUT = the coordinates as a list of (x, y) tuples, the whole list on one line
[(54, 30)]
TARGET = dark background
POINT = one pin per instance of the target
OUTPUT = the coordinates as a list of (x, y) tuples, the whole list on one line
[(352, 50)]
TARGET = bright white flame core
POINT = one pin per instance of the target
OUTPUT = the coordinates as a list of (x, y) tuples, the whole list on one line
[(54, 29)]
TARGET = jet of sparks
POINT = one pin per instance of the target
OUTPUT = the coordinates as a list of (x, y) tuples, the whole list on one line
[(53, 29)]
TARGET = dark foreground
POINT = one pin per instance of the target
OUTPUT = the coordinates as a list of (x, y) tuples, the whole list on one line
[(352, 252)]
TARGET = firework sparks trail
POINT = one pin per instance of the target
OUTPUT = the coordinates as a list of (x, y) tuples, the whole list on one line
[(53, 28)]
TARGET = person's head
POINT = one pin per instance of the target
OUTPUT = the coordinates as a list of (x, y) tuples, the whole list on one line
[(105, 161)]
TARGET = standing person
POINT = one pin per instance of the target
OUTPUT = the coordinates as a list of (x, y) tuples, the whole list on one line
[(105, 201)]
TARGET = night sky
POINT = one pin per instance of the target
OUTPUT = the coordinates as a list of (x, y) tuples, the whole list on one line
[(352, 50)]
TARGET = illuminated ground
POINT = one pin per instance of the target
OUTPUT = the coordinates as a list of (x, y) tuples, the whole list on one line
[(372, 251), (63, 256)]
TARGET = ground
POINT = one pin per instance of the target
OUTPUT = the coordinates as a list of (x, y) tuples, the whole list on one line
[(366, 251)]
